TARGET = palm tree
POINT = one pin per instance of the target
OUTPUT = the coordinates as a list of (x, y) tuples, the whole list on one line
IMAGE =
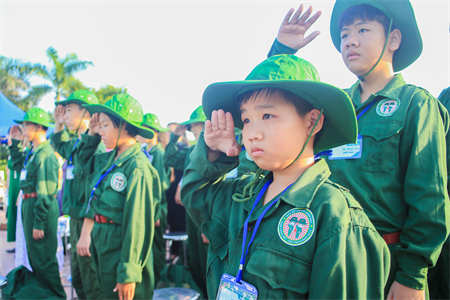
[(62, 70)]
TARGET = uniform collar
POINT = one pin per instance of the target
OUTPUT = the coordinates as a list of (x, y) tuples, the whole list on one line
[(391, 91), (302, 192), (41, 146), (130, 152)]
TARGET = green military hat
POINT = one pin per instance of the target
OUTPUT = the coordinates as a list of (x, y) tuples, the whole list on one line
[(197, 116), (152, 121), (298, 76), (402, 14), (126, 108), (80, 97), (38, 116)]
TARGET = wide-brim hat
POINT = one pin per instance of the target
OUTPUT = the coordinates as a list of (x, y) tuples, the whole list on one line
[(404, 19), (126, 108), (298, 76), (80, 97), (38, 116), (152, 121), (197, 116)]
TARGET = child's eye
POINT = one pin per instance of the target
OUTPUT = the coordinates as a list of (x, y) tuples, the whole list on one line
[(267, 116), (362, 30), (245, 121), (344, 36)]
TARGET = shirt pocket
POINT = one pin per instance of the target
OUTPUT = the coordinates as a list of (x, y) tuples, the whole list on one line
[(283, 273), (381, 147)]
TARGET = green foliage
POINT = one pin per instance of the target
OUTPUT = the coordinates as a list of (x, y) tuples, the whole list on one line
[(106, 92)]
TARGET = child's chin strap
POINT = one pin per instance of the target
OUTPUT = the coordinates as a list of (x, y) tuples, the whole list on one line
[(361, 77), (251, 185), (79, 125), (118, 138)]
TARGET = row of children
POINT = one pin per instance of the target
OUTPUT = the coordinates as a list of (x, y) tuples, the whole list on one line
[(368, 221)]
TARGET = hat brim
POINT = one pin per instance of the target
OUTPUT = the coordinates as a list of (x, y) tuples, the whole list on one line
[(160, 129), (404, 19), (100, 108), (66, 102), (189, 122), (31, 121), (340, 125)]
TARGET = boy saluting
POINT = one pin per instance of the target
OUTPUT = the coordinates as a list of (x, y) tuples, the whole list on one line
[(399, 175), (291, 234)]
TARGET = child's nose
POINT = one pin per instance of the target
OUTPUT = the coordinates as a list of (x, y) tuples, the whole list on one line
[(255, 133)]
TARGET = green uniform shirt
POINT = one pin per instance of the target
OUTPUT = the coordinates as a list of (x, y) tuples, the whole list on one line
[(178, 159), (401, 179), (344, 258), (126, 196), (42, 177), (76, 190), (444, 98)]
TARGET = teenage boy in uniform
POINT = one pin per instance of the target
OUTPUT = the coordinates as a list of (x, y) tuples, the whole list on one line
[(305, 237), (399, 176), (179, 159), (40, 210), (76, 189), (154, 151)]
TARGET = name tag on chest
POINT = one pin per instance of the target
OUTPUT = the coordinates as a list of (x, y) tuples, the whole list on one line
[(349, 151), (230, 289), (23, 174), (69, 172)]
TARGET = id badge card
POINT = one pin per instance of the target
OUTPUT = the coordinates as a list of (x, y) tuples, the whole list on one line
[(23, 174), (69, 172), (349, 151), (229, 289)]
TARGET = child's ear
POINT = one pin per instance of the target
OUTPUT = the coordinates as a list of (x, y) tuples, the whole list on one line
[(395, 40), (312, 119)]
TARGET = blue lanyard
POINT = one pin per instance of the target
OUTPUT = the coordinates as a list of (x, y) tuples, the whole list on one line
[(146, 153), (365, 110), (76, 143), (96, 186), (27, 157), (258, 221)]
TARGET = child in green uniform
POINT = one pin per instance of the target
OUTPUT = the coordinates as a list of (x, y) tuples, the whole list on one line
[(125, 189), (197, 244), (292, 234), (154, 150), (76, 189), (40, 210), (398, 171)]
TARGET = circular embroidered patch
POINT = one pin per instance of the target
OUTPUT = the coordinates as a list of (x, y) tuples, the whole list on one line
[(118, 182), (387, 107), (296, 226)]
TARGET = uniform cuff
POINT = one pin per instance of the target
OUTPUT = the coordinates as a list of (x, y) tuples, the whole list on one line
[(89, 214), (91, 140), (411, 276), (38, 225), (173, 138), (129, 273), (279, 48), (207, 169), (59, 137)]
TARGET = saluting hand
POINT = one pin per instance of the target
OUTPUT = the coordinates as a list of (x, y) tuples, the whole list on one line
[(38, 234), (59, 112), (94, 124), (219, 134), (292, 30), (126, 290), (180, 129), (14, 133)]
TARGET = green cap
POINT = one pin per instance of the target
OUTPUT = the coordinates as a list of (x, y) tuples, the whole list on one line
[(298, 76), (80, 97), (152, 121), (197, 116), (126, 108), (38, 116), (403, 17)]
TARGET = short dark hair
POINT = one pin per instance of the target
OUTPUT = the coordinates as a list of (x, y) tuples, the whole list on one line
[(132, 131), (365, 12), (301, 105)]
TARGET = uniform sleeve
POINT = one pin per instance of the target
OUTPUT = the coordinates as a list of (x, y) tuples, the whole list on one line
[(17, 153), (279, 48), (138, 225), (61, 143), (444, 98), (205, 191), (158, 164), (87, 150), (423, 159), (47, 185), (173, 157), (352, 264)]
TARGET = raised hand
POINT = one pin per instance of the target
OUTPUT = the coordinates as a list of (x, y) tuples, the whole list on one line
[(60, 110), (180, 129), (94, 124), (219, 133), (292, 31), (14, 133)]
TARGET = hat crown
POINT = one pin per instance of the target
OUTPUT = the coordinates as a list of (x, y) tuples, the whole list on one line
[(151, 120), (85, 96), (127, 107), (37, 115), (284, 67), (198, 114)]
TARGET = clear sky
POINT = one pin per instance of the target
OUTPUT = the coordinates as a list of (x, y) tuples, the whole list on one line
[(167, 52)]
